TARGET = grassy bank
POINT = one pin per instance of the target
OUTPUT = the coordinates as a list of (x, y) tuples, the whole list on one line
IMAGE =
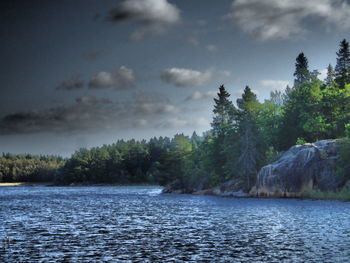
[(343, 195)]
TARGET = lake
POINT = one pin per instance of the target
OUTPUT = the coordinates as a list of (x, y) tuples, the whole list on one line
[(139, 224)]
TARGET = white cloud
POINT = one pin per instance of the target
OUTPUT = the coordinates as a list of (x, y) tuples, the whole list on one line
[(182, 77), (197, 95), (284, 19), (154, 15), (274, 84), (323, 74), (123, 78)]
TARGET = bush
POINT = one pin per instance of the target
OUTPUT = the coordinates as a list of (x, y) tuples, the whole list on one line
[(300, 141), (320, 195), (343, 162)]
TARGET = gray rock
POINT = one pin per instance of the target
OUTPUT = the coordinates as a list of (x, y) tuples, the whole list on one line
[(230, 186), (301, 168)]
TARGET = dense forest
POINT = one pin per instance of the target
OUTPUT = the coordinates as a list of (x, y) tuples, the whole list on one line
[(243, 137)]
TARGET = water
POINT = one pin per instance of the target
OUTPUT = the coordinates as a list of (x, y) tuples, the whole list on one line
[(138, 224)]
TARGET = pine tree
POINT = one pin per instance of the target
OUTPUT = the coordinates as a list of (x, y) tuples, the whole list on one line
[(329, 81), (222, 130), (248, 143), (301, 73), (342, 69), (223, 112)]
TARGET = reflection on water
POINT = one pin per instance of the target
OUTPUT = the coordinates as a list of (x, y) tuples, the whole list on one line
[(138, 224)]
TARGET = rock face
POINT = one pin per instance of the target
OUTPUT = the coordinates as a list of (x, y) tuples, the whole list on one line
[(301, 168)]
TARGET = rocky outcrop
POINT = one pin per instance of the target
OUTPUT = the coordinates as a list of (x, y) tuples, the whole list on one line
[(178, 187), (301, 168), (228, 189)]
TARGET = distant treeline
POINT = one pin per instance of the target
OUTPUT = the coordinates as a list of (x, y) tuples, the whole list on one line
[(243, 137), (29, 168)]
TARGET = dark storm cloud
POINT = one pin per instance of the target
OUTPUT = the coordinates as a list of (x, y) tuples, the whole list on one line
[(276, 19), (91, 113), (73, 83), (123, 78), (154, 15)]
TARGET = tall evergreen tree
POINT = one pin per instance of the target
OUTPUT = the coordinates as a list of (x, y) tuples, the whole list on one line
[(223, 112), (247, 163), (329, 81), (222, 129), (342, 68), (301, 73)]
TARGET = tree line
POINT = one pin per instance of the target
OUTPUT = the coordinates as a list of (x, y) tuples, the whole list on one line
[(243, 137), (29, 168)]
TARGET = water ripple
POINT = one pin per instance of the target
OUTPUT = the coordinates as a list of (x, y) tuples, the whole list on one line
[(138, 224)]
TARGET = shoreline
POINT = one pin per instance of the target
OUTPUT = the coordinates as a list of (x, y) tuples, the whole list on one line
[(312, 195)]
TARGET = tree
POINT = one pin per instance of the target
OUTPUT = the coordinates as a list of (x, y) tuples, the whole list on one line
[(303, 117), (223, 112), (249, 154), (329, 81), (173, 162), (342, 68), (223, 128), (301, 73)]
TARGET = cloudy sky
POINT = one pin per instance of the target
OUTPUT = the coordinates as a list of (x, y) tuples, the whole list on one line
[(84, 73)]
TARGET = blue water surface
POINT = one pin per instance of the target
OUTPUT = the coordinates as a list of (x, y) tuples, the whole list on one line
[(139, 224)]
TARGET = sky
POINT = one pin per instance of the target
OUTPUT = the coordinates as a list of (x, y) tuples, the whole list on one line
[(85, 73)]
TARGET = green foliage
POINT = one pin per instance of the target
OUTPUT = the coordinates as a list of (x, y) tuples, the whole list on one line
[(342, 194), (343, 162), (249, 138), (123, 162), (342, 68), (330, 79), (223, 129), (301, 73), (300, 141), (223, 111), (29, 168), (347, 130)]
